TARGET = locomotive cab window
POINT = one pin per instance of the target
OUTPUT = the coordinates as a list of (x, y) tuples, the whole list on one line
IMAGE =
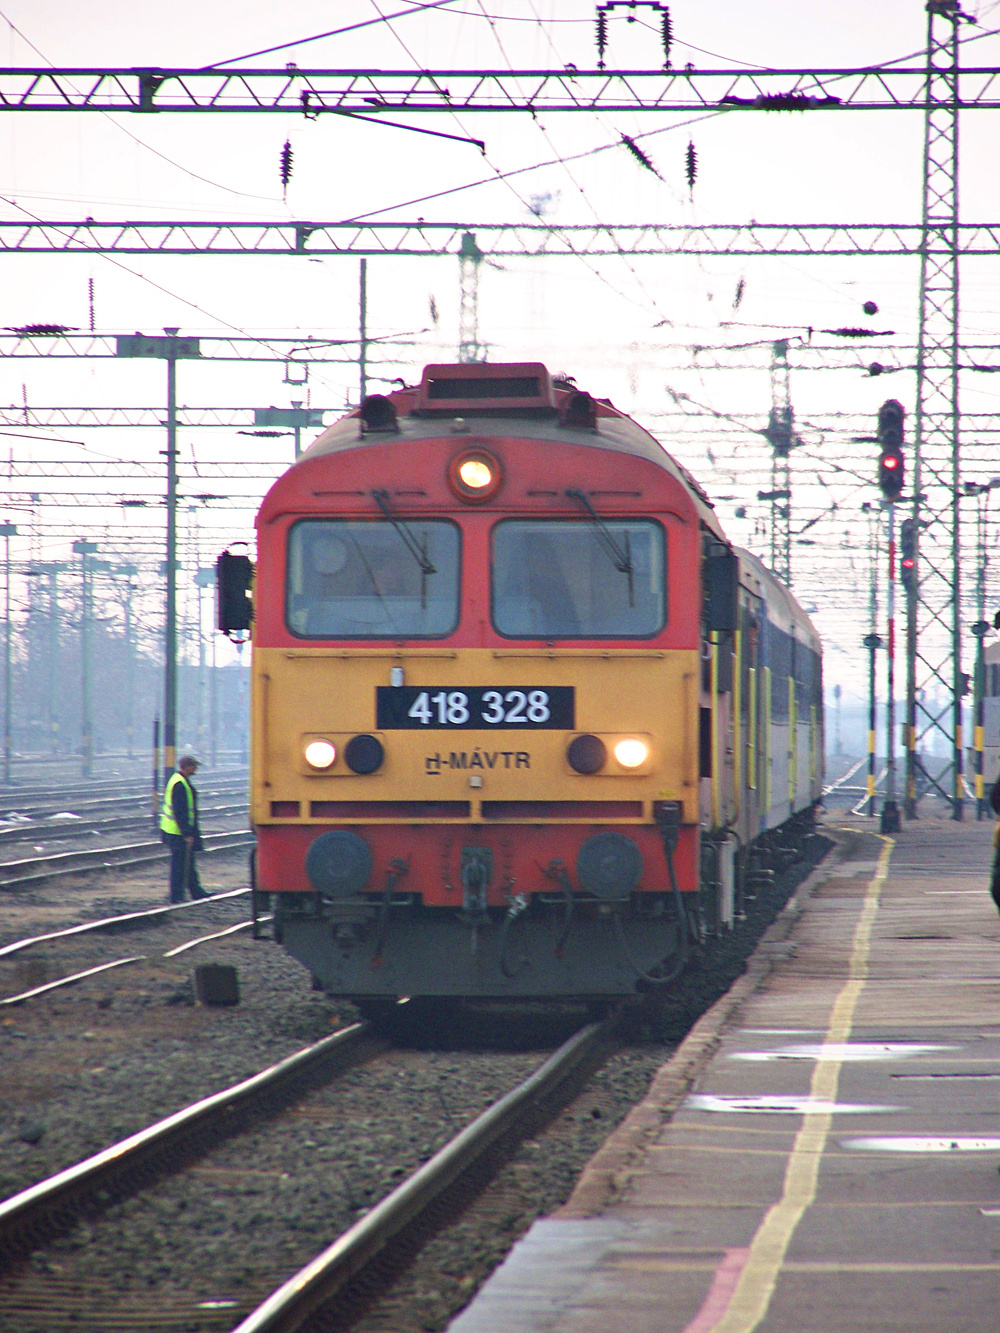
[(568, 578), (372, 579)]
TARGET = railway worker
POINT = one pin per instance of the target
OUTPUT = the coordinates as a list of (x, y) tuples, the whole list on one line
[(179, 830)]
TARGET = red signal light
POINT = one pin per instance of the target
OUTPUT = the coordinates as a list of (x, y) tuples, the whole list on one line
[(890, 473)]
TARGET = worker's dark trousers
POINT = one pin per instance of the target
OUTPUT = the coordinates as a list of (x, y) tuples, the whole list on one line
[(183, 869)]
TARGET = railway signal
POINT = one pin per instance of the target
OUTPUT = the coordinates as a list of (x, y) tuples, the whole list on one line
[(890, 437), (908, 554)]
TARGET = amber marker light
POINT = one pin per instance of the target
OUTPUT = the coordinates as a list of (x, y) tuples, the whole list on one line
[(631, 753), (475, 475), (320, 754)]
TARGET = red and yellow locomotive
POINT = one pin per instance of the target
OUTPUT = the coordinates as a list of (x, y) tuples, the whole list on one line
[(521, 715)]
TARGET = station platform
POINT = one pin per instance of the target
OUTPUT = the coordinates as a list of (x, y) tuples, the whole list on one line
[(820, 1155)]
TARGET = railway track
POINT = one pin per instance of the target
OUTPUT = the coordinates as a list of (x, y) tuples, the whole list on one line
[(45, 1209), (98, 798), (372, 1247), (145, 919), (72, 825), (122, 921), (23, 873)]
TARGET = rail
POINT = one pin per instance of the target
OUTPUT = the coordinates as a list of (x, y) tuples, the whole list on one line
[(124, 919), (32, 870), (54, 1204), (295, 1301)]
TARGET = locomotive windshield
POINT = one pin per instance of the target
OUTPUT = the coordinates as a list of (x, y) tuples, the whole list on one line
[(362, 580), (563, 578)]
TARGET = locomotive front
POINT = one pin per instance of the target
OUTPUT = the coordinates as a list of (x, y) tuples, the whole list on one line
[(476, 683)]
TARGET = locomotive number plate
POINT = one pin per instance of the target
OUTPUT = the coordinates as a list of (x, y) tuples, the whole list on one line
[(475, 707)]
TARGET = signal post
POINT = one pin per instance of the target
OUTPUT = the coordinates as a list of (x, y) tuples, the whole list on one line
[(890, 479)]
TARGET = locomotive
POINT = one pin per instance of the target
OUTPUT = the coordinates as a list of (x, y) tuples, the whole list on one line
[(525, 725)]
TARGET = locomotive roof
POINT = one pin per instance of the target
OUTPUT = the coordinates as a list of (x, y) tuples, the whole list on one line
[(613, 431)]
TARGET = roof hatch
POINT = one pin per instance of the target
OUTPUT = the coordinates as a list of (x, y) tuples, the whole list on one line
[(514, 388)]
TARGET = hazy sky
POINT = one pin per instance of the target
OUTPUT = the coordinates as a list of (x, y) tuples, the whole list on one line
[(623, 326)]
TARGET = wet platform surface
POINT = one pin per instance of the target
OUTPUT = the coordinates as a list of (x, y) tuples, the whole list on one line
[(833, 1167)]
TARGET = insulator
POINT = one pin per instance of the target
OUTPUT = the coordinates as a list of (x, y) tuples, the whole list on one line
[(870, 308), (602, 36), (639, 155), (691, 165), (668, 36), (741, 287), (285, 169)]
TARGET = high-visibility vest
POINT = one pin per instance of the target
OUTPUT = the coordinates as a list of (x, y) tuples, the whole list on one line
[(168, 824)]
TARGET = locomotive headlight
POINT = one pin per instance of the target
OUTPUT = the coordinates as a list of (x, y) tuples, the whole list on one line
[(475, 475), (320, 754), (631, 752)]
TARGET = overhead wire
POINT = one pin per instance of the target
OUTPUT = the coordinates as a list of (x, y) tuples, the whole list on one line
[(205, 180), (166, 291), (576, 184), (334, 32)]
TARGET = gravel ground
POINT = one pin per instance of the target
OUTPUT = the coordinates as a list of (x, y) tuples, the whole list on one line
[(103, 1059), (87, 1065), (452, 1266), (258, 1208)]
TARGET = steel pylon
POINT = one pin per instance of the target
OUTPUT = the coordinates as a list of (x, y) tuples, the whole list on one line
[(935, 680)]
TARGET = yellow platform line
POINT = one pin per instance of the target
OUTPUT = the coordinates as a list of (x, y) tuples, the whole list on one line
[(753, 1291), (815, 1268)]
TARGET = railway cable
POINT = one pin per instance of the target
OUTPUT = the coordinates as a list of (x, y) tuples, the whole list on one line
[(668, 833)]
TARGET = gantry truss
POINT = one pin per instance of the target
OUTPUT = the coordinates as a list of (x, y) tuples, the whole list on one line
[(494, 240), (938, 88), (372, 92)]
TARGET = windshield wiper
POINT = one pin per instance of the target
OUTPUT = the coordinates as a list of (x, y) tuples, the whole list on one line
[(620, 556), (418, 551)]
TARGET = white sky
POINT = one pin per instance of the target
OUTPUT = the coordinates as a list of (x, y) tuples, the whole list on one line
[(623, 327)]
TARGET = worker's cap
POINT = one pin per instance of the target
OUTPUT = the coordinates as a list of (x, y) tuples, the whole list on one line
[(188, 761)]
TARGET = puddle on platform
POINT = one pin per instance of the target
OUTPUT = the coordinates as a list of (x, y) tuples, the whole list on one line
[(777, 1105), (918, 1145), (844, 1052)]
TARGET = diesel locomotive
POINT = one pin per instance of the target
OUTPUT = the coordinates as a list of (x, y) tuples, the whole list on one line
[(525, 725)]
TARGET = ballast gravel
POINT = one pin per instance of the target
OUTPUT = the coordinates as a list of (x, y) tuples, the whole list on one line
[(89, 1065)]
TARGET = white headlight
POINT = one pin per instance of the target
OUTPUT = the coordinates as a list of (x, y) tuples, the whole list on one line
[(476, 473), (320, 754), (631, 753)]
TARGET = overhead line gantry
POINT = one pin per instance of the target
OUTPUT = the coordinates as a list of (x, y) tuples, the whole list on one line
[(939, 88), (313, 92)]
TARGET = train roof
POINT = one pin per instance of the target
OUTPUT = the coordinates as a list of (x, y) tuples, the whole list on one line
[(782, 607), (418, 416)]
